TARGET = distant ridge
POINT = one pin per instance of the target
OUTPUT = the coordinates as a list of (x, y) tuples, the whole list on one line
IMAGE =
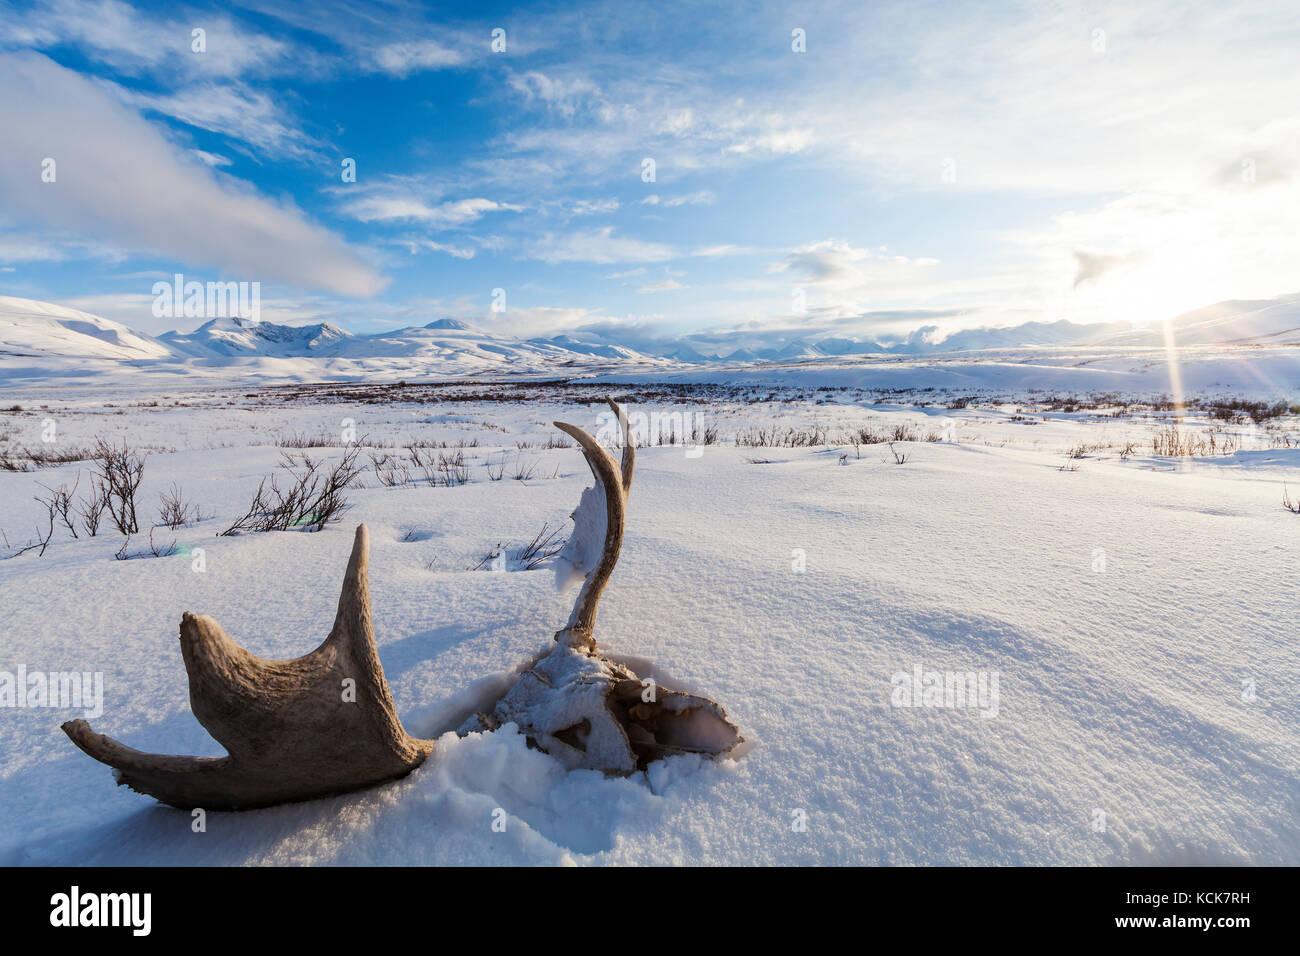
[(234, 336), (45, 338)]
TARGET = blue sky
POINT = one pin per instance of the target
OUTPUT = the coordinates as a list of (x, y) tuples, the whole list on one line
[(916, 164)]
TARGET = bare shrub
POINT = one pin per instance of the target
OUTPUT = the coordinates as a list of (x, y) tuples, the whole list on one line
[(40, 542), (775, 438), (542, 548), (322, 439), (425, 461), (452, 469), (1082, 450), (313, 498), (867, 435), (120, 471), (93, 506), (1174, 442), (175, 512), (522, 471), (59, 504), (153, 550), (10, 462), (390, 470), (703, 436), (29, 459), (490, 558)]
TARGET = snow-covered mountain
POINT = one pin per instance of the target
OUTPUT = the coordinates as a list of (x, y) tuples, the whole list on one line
[(1236, 322), (570, 344), (795, 350), (40, 339), (235, 336), (687, 355), (1062, 332), (31, 329)]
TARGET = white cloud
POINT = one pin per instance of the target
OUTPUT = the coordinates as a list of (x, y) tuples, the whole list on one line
[(678, 122), (428, 245), (211, 159), (593, 207), (564, 96), (1030, 103), (403, 59), (664, 285), (117, 34), (724, 249), (1153, 254), (235, 111), (703, 197), (387, 205), (18, 246), (600, 246), (835, 262), (778, 142), (1094, 265), (120, 181)]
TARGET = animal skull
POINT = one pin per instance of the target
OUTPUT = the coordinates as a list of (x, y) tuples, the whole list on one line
[(580, 707), (291, 733)]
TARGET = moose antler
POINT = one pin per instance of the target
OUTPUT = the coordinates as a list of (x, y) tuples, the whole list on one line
[(323, 723), (573, 702), (612, 485)]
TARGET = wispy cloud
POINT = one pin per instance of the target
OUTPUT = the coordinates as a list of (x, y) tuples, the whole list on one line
[(119, 180), (134, 42), (232, 109), (724, 249), (403, 59), (398, 207), (564, 96), (835, 262), (593, 207), (428, 245), (599, 246), (664, 285)]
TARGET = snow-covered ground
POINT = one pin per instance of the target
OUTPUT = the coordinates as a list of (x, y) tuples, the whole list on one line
[(1138, 613)]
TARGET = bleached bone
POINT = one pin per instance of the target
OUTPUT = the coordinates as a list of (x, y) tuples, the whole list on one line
[(297, 729), (577, 705), (292, 729)]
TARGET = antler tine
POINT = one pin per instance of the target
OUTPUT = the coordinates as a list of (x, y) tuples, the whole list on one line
[(582, 621), (629, 446)]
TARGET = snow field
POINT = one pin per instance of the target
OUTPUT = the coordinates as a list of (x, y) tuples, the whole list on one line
[(1121, 688)]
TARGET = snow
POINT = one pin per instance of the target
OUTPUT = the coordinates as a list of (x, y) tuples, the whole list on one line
[(43, 344), (1245, 349), (1126, 608), (582, 551), (29, 328), (1264, 321)]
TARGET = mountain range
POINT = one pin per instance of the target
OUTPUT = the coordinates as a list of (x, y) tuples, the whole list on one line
[(41, 333)]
